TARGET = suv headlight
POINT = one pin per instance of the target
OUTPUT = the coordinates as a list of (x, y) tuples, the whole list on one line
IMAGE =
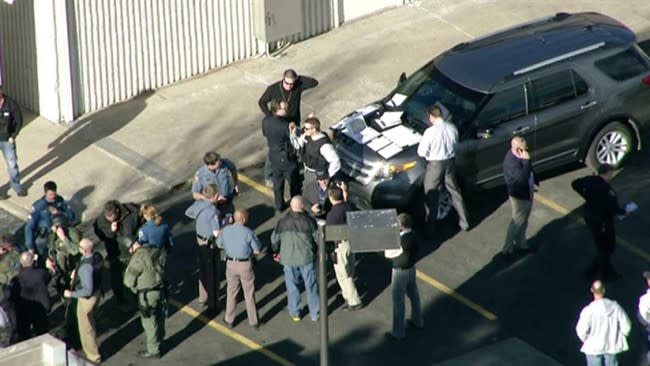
[(386, 170)]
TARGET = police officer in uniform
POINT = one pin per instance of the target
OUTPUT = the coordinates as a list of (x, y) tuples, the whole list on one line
[(63, 251), (9, 261), (600, 208), (317, 151), (144, 276), (11, 121), (118, 228), (155, 232), (284, 164), (222, 173), (39, 221), (208, 225)]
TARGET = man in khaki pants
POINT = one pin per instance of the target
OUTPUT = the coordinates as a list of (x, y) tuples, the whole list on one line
[(86, 289)]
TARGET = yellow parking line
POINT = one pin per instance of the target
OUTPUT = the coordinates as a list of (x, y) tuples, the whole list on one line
[(467, 302), (232, 334), (564, 211), (424, 277)]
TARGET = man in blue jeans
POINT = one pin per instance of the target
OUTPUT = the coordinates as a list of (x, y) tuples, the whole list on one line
[(294, 246), (11, 121)]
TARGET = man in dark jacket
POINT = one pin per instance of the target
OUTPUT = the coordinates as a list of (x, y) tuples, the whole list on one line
[(403, 280), (118, 228), (32, 298), (520, 181), (282, 156), (11, 121), (288, 90), (294, 246), (600, 208)]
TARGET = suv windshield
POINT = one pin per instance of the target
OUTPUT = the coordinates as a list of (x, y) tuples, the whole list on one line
[(427, 86)]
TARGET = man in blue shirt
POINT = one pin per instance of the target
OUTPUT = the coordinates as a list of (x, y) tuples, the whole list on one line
[(39, 221), (222, 173), (239, 242), (208, 226)]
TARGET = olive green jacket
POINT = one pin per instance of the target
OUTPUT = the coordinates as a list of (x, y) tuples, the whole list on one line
[(145, 270), (64, 252), (9, 266)]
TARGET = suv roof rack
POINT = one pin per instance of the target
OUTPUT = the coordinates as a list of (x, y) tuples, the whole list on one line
[(559, 58)]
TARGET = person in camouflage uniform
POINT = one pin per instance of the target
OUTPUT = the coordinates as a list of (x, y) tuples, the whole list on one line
[(144, 276), (63, 251), (9, 260), (8, 323)]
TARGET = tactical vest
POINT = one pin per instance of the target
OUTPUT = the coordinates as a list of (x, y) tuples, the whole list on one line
[(311, 155), (97, 261), (151, 277)]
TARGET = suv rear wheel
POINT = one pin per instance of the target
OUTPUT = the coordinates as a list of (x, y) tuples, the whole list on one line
[(611, 146)]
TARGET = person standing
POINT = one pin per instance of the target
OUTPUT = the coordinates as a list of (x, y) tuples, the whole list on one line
[(344, 261), (207, 223), (144, 276), (288, 90), (222, 173), (155, 232), (86, 289), (8, 322), (603, 328), (240, 244), (63, 251), (32, 298), (317, 151), (281, 154), (9, 260), (520, 182), (644, 312), (314, 195), (117, 228), (601, 205), (403, 279), (39, 221), (294, 245), (437, 148), (11, 121)]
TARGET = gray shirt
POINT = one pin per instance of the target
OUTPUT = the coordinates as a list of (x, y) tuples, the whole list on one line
[(85, 288), (238, 241), (206, 216)]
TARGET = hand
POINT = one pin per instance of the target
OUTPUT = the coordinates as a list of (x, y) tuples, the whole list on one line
[(12, 140), (72, 274), (49, 264), (236, 190), (135, 246), (341, 184), (315, 208), (276, 257), (311, 115), (292, 128), (115, 226), (523, 153), (67, 294), (221, 198), (53, 210), (61, 233)]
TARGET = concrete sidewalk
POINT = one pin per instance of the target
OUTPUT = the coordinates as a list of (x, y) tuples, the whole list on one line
[(143, 147)]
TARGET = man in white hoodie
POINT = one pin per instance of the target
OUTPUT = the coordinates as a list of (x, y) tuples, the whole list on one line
[(603, 327), (644, 310)]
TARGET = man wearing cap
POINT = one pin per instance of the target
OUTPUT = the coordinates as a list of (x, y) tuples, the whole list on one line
[(644, 311), (11, 121), (284, 165), (316, 149), (603, 328)]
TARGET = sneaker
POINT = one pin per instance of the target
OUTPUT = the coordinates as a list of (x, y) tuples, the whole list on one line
[(229, 325), (146, 354), (22, 193), (295, 318), (268, 183), (354, 307), (256, 326)]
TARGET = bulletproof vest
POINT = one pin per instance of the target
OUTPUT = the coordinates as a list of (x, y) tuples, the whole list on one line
[(97, 261), (311, 155), (9, 266), (152, 273)]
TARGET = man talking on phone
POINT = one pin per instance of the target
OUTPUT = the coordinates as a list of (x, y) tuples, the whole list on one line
[(520, 182)]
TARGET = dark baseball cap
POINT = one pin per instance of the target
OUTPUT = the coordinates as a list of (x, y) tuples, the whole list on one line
[(322, 175)]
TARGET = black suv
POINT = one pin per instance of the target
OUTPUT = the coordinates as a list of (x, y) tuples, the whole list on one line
[(576, 86)]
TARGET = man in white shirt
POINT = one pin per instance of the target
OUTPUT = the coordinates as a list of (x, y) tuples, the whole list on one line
[(602, 327), (644, 311), (317, 151), (437, 148)]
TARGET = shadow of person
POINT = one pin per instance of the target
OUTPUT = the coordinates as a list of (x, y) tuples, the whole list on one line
[(84, 133), (76, 201)]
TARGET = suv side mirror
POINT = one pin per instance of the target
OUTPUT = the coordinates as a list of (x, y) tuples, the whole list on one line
[(484, 133), (402, 78)]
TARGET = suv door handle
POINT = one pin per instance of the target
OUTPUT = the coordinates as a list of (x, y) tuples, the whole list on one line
[(521, 129), (588, 105)]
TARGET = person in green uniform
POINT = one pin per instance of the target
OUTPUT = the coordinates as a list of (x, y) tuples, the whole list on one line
[(9, 260), (63, 251), (144, 276)]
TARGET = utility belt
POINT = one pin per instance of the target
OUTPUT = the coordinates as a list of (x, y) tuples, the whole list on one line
[(42, 232), (146, 310)]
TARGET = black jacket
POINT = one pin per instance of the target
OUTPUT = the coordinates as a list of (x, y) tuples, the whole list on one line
[(117, 243), (409, 245), (516, 173), (601, 202), (30, 288), (292, 97), (11, 119), (276, 131)]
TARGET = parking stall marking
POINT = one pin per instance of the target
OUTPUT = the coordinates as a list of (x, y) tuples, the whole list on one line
[(564, 211), (232, 334), (421, 275)]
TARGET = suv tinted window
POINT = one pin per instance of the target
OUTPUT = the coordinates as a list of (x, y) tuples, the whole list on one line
[(622, 66), (503, 106), (555, 88)]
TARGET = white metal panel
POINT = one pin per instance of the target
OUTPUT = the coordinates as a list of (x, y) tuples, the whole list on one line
[(18, 53)]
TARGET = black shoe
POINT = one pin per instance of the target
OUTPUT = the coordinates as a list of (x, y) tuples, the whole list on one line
[(229, 325), (256, 326), (412, 324), (146, 354), (392, 337), (345, 306), (526, 251), (22, 193), (354, 307)]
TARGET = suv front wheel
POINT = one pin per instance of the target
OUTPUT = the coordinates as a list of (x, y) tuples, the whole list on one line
[(611, 146)]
